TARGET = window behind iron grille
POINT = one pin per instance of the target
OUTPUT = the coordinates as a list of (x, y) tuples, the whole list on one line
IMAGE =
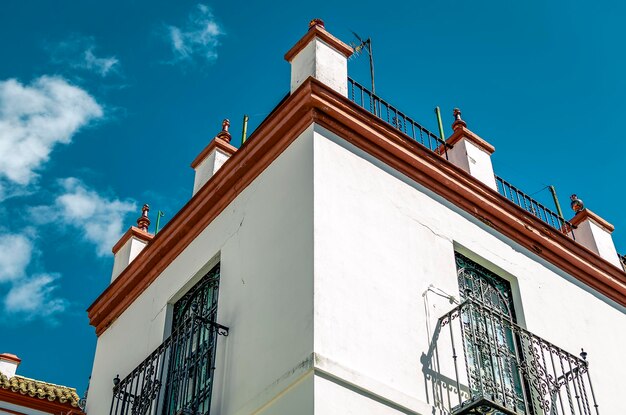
[(489, 341), (190, 377)]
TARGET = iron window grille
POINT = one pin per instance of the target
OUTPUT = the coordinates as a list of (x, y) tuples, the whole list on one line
[(177, 377), (499, 367)]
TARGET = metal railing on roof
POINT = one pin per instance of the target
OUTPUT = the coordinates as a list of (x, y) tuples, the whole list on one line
[(497, 366), (532, 206), (364, 98)]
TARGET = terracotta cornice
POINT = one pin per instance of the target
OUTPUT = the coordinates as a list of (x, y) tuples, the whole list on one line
[(461, 132), (315, 102), (319, 32), (39, 404), (132, 231), (587, 214), (267, 142), (10, 357), (442, 177), (216, 143)]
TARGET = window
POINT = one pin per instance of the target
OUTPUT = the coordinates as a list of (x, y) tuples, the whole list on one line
[(177, 377), (499, 367), (190, 374), (489, 342)]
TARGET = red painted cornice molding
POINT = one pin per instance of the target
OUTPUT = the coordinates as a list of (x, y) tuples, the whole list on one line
[(132, 231), (463, 132), (587, 214), (10, 357), (315, 102), (218, 143), (321, 33), (267, 142)]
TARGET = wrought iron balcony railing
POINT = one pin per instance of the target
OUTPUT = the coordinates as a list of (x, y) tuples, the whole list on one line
[(529, 204), (498, 367), (176, 378), (364, 98)]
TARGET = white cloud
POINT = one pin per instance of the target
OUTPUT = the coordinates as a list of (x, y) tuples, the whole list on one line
[(27, 297), (34, 119), (102, 66), (79, 52), (198, 38), (100, 219), (15, 254), (32, 297)]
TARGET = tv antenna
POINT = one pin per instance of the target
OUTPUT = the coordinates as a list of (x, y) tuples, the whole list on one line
[(358, 49)]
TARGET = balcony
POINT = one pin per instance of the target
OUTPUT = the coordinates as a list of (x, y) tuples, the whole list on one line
[(176, 378), (496, 367)]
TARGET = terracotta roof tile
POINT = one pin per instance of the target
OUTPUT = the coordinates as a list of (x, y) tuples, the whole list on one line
[(41, 390)]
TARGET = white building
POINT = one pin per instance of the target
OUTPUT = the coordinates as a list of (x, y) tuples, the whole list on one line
[(363, 266)]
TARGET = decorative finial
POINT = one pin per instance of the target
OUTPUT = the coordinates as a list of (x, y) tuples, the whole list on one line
[(583, 354), (457, 114), (577, 204), (316, 22), (143, 222), (224, 134), (458, 121)]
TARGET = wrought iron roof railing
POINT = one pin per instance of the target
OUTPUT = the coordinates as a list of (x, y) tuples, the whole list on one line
[(176, 378), (498, 367), (532, 206), (364, 98)]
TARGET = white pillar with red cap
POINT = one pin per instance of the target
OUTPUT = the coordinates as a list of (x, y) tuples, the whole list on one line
[(8, 364), (131, 243), (470, 152), (214, 155), (322, 56), (593, 232)]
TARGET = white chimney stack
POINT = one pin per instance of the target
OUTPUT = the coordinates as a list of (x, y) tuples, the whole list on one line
[(470, 152), (593, 232), (131, 243), (322, 56), (8, 364), (212, 157)]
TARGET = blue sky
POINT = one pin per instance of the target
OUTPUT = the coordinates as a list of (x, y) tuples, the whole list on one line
[(103, 105)]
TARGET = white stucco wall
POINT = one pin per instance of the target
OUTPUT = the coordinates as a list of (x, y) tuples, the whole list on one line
[(207, 168), (335, 270), (380, 242), (8, 368), (322, 62), (600, 241), (473, 160), (127, 253), (264, 240)]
